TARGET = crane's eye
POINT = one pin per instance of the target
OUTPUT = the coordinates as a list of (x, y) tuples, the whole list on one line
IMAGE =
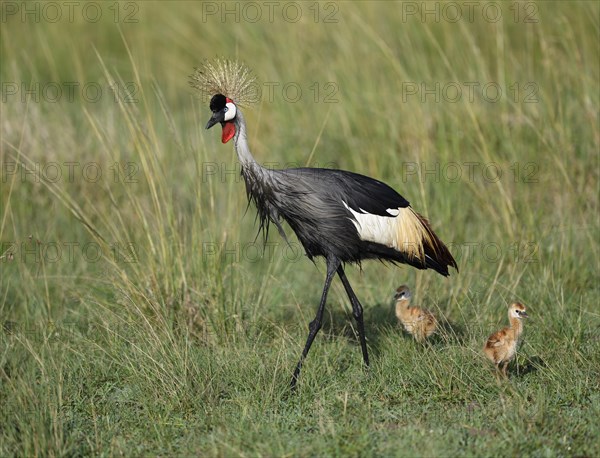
[(225, 109)]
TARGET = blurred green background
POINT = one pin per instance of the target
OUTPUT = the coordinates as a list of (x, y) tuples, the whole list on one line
[(141, 315)]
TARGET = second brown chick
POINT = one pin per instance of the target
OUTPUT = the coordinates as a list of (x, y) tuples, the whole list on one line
[(501, 346), (418, 322)]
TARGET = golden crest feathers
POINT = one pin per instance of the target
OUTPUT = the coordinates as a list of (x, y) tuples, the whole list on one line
[(231, 78)]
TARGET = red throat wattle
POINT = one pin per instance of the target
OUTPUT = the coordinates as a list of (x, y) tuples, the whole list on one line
[(228, 131)]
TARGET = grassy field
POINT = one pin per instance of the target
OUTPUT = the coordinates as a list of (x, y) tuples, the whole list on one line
[(140, 316)]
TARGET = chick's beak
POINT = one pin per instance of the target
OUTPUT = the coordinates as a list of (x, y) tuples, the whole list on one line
[(524, 315), (401, 295)]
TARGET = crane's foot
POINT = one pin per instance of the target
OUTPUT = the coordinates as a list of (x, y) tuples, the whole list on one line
[(295, 376), (365, 355)]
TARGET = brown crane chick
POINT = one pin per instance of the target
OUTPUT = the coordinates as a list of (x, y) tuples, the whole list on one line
[(416, 321), (501, 346)]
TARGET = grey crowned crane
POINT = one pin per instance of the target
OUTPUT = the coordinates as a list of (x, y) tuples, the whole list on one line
[(342, 216)]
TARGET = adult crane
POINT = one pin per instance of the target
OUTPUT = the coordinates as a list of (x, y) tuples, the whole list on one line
[(341, 216)]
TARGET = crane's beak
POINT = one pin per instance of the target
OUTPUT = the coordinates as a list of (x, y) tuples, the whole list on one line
[(228, 126), (215, 118)]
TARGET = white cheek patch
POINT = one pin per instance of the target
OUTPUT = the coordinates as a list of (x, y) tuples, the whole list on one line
[(231, 111)]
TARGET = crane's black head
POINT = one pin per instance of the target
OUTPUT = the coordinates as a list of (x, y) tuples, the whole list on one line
[(224, 111)]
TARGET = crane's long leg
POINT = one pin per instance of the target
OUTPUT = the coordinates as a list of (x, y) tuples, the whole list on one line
[(357, 312), (315, 325)]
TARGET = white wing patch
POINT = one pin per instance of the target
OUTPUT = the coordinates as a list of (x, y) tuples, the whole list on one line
[(403, 230)]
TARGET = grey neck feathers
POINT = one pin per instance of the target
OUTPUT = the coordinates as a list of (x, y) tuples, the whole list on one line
[(241, 144), (259, 180)]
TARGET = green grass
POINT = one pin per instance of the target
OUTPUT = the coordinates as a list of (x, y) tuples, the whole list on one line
[(186, 346)]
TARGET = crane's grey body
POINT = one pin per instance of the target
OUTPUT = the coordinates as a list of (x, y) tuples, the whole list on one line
[(341, 216), (311, 202)]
